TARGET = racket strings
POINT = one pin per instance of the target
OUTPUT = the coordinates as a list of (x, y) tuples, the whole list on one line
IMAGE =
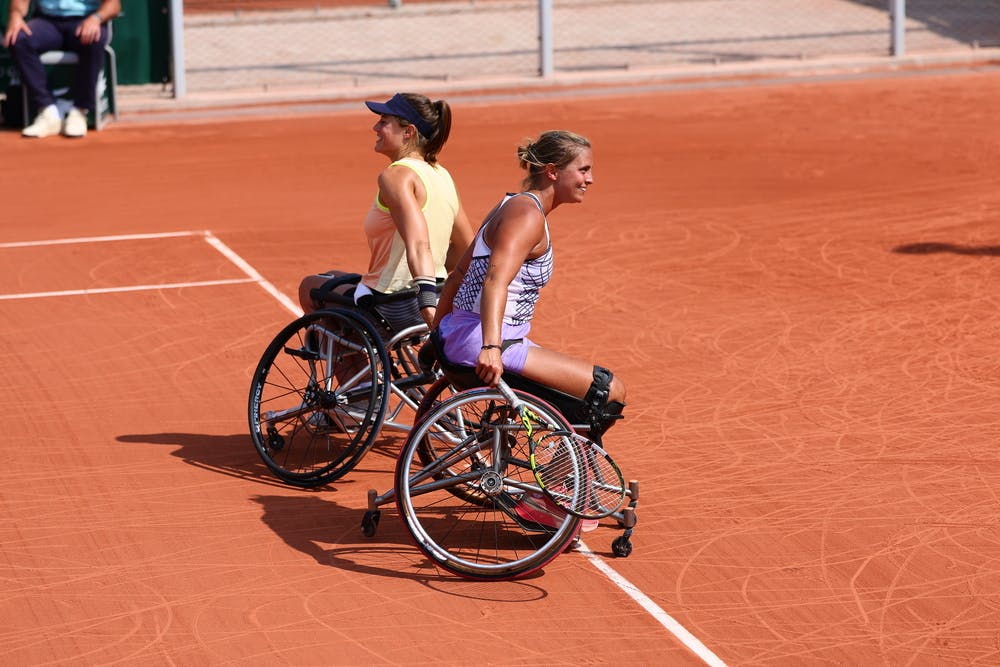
[(578, 475)]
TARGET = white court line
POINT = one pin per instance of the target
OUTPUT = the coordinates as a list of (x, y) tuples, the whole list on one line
[(244, 266), (662, 617), (654, 610), (97, 239), (643, 600), (132, 288), (109, 290)]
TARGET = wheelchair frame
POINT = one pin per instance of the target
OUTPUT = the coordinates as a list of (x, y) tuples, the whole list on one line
[(460, 501)]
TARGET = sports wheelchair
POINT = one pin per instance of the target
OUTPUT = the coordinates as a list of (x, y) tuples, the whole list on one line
[(467, 485), (465, 480), (326, 386)]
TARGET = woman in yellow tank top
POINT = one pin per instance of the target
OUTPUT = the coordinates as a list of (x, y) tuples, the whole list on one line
[(416, 227)]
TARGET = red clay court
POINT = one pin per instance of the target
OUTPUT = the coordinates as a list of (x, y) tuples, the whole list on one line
[(798, 283)]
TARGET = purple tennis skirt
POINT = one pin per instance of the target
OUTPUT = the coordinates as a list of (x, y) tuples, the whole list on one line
[(462, 332)]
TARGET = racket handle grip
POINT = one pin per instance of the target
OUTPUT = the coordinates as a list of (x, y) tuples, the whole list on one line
[(508, 393)]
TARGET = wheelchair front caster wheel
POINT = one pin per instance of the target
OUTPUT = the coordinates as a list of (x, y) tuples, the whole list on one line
[(621, 547), (274, 440), (369, 523)]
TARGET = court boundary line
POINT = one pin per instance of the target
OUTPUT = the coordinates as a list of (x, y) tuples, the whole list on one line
[(670, 624), (252, 274), (662, 617), (96, 239), (128, 288)]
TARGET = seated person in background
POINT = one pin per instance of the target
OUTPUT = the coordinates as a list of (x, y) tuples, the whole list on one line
[(487, 303), (79, 26), (416, 226)]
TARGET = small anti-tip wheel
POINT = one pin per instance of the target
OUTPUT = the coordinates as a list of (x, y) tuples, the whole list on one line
[(621, 547), (369, 523)]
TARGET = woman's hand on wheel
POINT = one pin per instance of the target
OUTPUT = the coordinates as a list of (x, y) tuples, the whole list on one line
[(489, 366)]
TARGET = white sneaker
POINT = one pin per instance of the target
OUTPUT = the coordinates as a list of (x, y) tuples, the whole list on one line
[(47, 123), (75, 124)]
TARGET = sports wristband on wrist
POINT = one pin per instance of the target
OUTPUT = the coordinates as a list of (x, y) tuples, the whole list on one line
[(97, 15), (426, 292), (490, 347)]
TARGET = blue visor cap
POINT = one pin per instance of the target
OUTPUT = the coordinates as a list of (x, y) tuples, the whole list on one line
[(400, 107)]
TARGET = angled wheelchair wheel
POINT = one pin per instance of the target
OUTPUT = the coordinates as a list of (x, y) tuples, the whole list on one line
[(437, 440), (465, 490), (318, 397)]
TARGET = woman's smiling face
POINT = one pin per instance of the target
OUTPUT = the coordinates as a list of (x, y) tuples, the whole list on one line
[(390, 135), (576, 177)]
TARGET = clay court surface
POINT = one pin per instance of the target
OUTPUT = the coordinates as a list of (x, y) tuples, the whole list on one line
[(797, 282)]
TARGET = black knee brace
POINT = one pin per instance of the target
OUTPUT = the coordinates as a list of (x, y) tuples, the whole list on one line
[(601, 413), (600, 388)]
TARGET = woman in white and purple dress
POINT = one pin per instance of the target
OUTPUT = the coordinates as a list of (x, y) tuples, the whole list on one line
[(486, 305)]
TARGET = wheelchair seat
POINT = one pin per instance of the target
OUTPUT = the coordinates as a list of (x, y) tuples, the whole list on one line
[(328, 296)]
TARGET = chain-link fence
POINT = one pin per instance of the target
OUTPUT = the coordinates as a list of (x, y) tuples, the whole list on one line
[(940, 24), (345, 44)]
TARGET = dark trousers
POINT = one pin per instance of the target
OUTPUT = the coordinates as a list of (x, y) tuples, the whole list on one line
[(50, 33)]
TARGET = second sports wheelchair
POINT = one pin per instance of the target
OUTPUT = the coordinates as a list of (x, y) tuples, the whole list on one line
[(327, 384)]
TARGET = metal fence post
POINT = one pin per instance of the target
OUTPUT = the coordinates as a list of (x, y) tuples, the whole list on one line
[(177, 48), (897, 16), (545, 47)]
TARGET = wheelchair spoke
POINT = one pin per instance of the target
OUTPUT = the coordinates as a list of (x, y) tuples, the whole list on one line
[(463, 503)]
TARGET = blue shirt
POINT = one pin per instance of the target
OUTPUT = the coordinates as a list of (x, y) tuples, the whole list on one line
[(68, 7)]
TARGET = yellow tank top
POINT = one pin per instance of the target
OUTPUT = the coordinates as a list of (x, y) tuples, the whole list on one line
[(387, 270)]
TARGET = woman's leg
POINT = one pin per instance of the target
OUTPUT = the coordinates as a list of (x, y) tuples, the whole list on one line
[(309, 283), (567, 374)]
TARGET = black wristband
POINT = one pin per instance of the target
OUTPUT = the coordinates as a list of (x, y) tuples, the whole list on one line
[(426, 292), (490, 347)]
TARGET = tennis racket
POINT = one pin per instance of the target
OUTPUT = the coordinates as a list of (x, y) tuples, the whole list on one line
[(574, 472)]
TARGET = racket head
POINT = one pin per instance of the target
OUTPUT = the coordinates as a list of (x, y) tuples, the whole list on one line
[(577, 474)]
